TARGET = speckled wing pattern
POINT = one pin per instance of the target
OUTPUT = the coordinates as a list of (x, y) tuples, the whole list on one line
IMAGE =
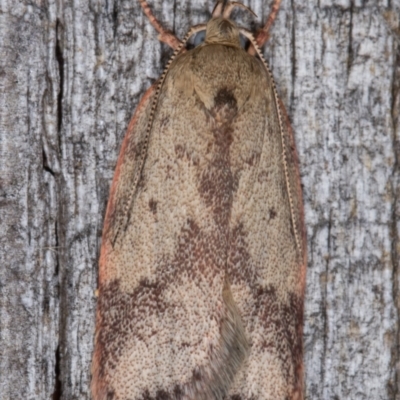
[(203, 261)]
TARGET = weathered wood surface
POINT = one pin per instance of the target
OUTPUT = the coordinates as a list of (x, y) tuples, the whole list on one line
[(71, 74)]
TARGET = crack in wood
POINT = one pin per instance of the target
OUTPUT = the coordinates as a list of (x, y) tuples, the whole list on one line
[(57, 385)]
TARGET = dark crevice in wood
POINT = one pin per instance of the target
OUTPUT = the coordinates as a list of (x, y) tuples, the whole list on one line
[(60, 61), (174, 19), (46, 166), (350, 54), (57, 386), (394, 390), (115, 18), (57, 394), (324, 303), (293, 56), (57, 267)]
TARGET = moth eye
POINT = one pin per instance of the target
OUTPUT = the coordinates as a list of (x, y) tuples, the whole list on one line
[(199, 38), (243, 41)]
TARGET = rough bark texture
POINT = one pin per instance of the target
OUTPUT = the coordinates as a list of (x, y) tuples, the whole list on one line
[(71, 74)]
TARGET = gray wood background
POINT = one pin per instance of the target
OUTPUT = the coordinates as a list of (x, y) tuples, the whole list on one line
[(71, 74)]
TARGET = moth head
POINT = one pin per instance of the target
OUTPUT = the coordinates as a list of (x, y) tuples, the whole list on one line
[(222, 31)]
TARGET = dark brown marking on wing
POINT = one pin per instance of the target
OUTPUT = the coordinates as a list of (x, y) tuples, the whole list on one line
[(197, 376), (163, 395), (216, 182), (120, 312), (178, 393), (153, 206), (225, 97), (110, 395), (236, 397), (283, 318), (225, 107), (196, 257), (239, 266)]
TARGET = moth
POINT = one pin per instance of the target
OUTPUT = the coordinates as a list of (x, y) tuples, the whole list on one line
[(203, 257)]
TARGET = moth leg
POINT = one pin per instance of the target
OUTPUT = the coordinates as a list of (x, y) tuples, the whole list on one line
[(263, 34), (164, 36)]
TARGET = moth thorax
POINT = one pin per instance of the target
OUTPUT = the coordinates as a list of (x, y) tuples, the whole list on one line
[(222, 31)]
